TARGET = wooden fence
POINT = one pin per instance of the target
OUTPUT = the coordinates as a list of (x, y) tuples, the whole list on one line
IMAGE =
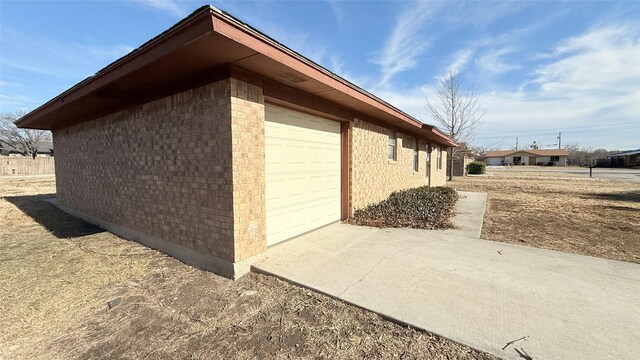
[(13, 165)]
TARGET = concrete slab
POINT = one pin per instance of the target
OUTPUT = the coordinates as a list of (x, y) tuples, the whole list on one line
[(480, 293), (469, 214)]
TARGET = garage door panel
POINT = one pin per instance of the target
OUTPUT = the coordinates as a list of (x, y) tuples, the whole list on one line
[(278, 223), (317, 185), (297, 189), (317, 211), (302, 173), (297, 218), (274, 190)]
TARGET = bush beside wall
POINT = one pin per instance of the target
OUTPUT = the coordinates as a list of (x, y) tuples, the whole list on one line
[(422, 208)]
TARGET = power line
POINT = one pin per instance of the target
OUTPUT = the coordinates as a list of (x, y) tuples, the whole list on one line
[(530, 134), (513, 133)]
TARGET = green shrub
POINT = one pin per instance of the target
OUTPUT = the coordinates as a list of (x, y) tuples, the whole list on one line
[(476, 167), (423, 208)]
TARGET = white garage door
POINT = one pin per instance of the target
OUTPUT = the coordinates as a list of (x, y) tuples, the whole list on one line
[(302, 154)]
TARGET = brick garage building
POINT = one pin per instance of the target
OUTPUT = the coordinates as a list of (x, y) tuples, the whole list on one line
[(212, 141)]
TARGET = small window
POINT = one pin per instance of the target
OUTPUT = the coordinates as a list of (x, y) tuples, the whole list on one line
[(554, 158), (517, 160), (439, 157), (391, 148), (415, 156), (428, 160)]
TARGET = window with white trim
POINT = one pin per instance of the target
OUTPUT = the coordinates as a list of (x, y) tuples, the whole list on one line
[(439, 157), (428, 160), (392, 145), (415, 156)]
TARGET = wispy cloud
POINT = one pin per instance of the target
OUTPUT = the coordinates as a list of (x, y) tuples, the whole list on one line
[(461, 58), (11, 97), (495, 62), (338, 67), (337, 11), (481, 14), (592, 78), (407, 41), (45, 66), (303, 43), (169, 6), (16, 102), (602, 59), (488, 52), (589, 79), (62, 58)]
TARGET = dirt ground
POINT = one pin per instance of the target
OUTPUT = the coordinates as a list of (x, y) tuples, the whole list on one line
[(70, 290), (559, 211)]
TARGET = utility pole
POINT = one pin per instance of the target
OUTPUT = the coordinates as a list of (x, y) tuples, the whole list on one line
[(516, 143), (560, 140)]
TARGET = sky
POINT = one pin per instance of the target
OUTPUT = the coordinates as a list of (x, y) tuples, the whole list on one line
[(539, 68)]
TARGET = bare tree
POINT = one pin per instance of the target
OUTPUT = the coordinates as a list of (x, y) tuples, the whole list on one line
[(26, 141), (456, 110), (585, 156)]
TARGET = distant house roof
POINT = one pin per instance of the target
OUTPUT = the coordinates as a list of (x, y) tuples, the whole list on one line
[(627, 153), (42, 149), (538, 152)]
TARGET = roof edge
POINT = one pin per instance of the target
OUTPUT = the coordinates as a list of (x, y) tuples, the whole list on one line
[(212, 12), (298, 56), (440, 134), (146, 46)]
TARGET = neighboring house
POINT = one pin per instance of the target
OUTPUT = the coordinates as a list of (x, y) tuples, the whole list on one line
[(213, 141), (460, 161), (46, 150), (629, 158), (557, 157)]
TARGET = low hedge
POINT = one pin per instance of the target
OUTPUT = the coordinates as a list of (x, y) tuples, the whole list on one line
[(422, 208), (476, 167)]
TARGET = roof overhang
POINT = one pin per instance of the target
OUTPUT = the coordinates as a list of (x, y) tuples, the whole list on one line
[(193, 52), (627, 153)]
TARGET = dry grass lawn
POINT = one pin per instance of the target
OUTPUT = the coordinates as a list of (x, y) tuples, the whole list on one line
[(561, 212), (58, 275)]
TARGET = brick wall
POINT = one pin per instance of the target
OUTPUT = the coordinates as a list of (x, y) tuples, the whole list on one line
[(189, 169), (247, 126), (163, 169), (374, 177), (438, 176)]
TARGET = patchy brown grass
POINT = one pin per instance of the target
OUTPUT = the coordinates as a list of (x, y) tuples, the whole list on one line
[(561, 212), (57, 275)]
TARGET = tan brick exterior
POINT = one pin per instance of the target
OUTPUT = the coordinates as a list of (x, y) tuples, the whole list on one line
[(438, 175), (189, 169), (166, 169), (374, 176), (247, 127)]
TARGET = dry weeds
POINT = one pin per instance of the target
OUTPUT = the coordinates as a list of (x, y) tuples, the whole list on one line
[(561, 212), (57, 275)]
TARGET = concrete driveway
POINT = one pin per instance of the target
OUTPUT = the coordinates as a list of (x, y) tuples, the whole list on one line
[(481, 293)]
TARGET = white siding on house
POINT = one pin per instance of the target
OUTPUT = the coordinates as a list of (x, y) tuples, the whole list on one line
[(526, 158)]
